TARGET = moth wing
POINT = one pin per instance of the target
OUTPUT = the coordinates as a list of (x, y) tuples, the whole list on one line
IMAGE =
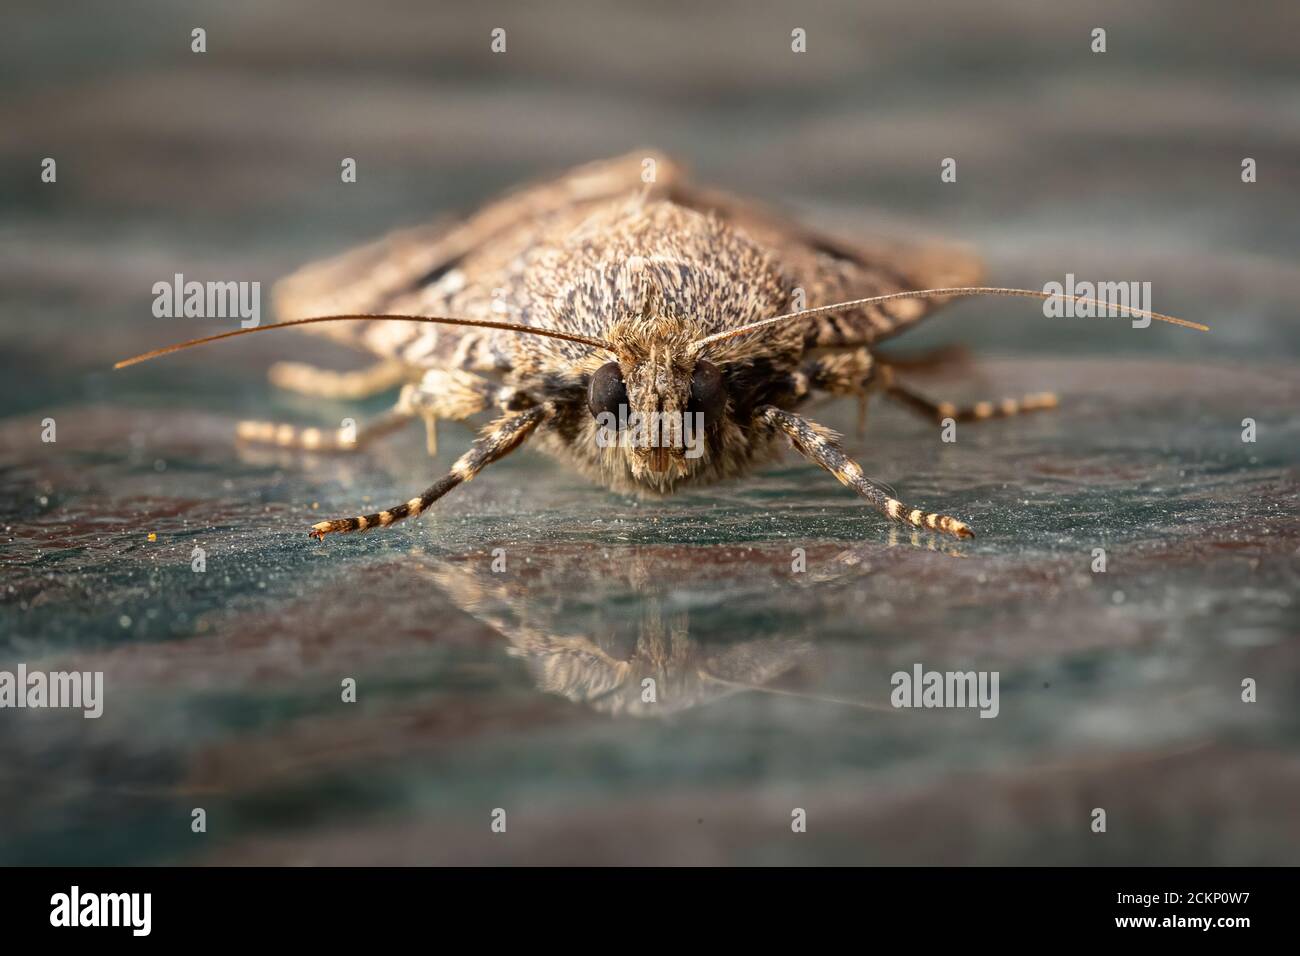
[(830, 269), (466, 269)]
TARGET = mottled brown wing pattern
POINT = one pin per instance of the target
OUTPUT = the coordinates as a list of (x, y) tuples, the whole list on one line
[(471, 269), (480, 268), (830, 270)]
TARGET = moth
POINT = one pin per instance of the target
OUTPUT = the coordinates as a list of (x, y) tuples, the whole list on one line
[(624, 293)]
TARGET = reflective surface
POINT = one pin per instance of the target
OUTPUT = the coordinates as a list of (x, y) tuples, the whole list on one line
[(524, 689)]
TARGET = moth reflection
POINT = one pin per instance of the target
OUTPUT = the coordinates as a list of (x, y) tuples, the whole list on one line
[(618, 641)]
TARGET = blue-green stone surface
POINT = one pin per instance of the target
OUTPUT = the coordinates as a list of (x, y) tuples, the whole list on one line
[(521, 690)]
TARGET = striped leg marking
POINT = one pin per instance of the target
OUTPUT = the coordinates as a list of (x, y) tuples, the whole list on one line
[(820, 445), (980, 411), (496, 441), (320, 439)]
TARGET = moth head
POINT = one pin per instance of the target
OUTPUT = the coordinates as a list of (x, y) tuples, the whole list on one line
[(656, 403)]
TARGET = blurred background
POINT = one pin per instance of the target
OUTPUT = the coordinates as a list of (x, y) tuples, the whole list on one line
[(480, 691)]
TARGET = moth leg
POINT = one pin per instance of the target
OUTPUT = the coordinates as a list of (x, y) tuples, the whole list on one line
[(452, 394), (327, 383), (310, 438), (844, 373), (496, 441), (820, 445), (977, 412), (441, 394)]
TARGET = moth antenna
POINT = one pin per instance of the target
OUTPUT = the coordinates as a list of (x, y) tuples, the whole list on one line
[(937, 293), (433, 319)]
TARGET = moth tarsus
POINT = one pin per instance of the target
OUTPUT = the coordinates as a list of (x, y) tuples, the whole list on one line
[(599, 297)]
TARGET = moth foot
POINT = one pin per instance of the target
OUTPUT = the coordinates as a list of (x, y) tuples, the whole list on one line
[(959, 529), (322, 528)]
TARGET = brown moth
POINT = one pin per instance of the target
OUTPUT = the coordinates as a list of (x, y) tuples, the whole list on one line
[(651, 333)]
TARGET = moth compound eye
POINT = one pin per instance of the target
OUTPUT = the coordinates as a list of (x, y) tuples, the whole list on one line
[(708, 393), (606, 391)]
